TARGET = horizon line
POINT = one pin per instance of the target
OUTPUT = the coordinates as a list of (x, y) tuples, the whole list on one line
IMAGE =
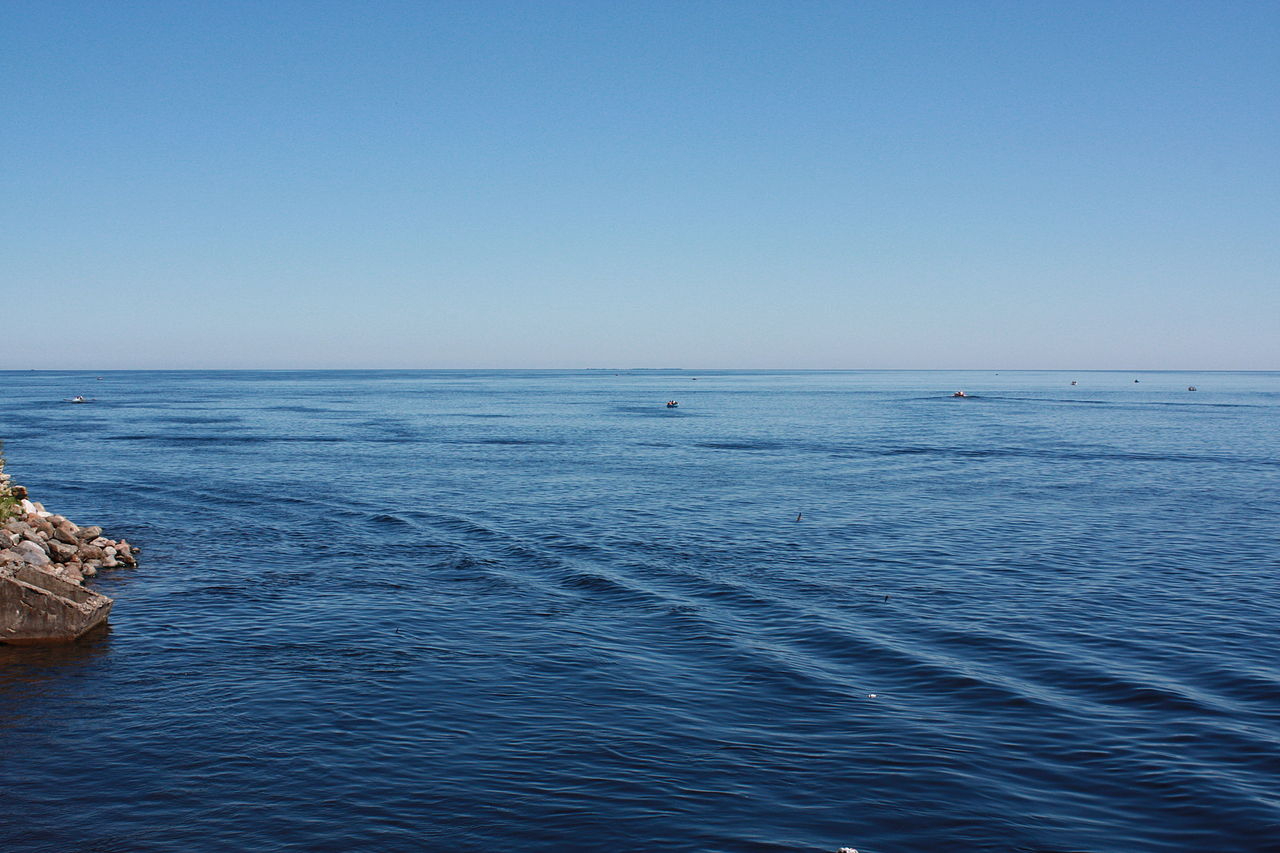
[(642, 369)]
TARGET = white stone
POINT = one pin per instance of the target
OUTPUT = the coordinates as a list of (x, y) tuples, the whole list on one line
[(31, 553)]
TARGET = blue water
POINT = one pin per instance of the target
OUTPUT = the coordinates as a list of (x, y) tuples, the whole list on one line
[(539, 611)]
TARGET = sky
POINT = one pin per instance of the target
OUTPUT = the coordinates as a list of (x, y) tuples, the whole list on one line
[(693, 184)]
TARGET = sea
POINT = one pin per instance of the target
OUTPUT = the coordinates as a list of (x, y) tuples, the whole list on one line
[(538, 611)]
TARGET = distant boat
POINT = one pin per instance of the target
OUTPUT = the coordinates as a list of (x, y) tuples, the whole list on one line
[(671, 404), (79, 398), (1191, 387), (1073, 382), (959, 394)]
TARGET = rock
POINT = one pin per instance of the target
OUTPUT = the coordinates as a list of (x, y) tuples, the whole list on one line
[(69, 573), (63, 533), (62, 553), (44, 559), (38, 523), (36, 607), (32, 553)]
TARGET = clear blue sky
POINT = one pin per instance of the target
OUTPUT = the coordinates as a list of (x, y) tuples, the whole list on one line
[(701, 184)]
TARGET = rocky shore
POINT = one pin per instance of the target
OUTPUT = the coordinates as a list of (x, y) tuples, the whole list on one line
[(44, 560), (53, 544)]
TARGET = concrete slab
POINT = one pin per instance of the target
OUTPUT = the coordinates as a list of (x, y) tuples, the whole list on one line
[(36, 607)]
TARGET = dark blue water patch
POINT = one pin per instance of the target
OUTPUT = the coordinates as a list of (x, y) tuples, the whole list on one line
[(512, 441), (181, 439), (1065, 455), (747, 445), (658, 410), (197, 419), (943, 398), (388, 518)]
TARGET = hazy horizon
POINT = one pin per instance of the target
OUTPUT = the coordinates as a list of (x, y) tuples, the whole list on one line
[(597, 369)]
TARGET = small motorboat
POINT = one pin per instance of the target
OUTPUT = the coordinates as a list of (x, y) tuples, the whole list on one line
[(1191, 387), (79, 398), (959, 394), (1073, 382), (671, 404)]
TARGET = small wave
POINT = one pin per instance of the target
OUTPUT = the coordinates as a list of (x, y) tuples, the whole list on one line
[(743, 445), (594, 582), (198, 419), (1080, 455), (228, 439), (515, 442)]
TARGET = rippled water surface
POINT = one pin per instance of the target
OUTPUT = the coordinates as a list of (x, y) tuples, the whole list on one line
[(539, 611)]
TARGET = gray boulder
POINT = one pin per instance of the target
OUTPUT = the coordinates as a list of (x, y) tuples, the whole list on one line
[(32, 553)]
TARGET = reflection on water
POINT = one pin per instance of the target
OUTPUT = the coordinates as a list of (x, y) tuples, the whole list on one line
[(28, 672)]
